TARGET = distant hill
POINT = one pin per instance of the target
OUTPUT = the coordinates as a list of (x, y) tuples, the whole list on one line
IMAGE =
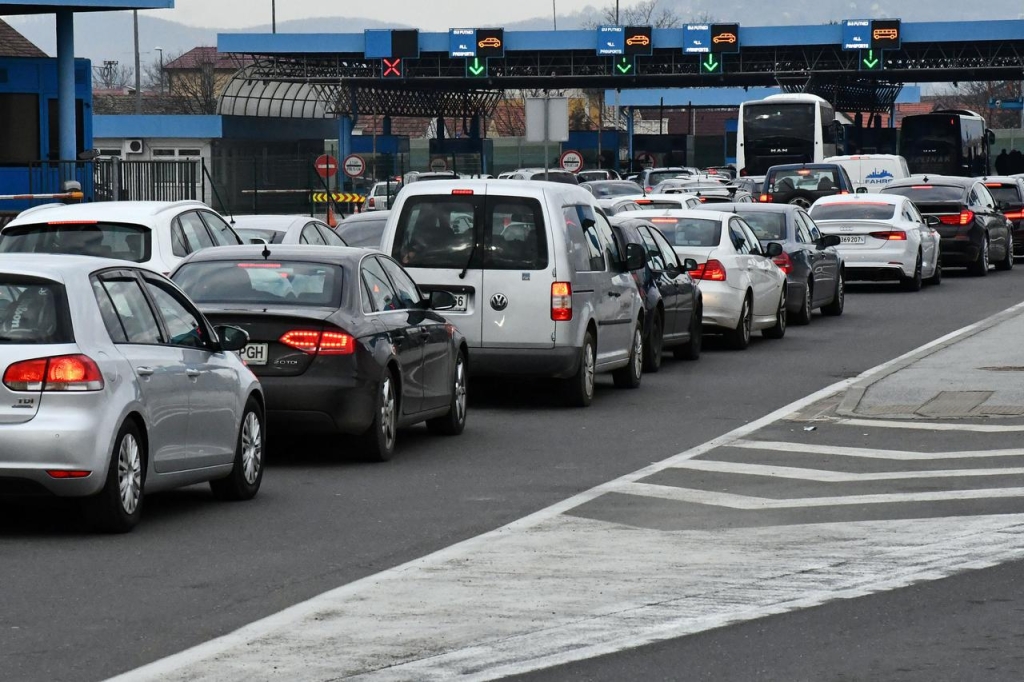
[(108, 35)]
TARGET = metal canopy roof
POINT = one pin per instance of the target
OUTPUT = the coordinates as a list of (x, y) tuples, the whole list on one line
[(49, 6)]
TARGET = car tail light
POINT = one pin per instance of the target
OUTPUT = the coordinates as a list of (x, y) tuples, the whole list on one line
[(67, 473), (648, 189), (60, 373), (965, 217), (372, 203), (1014, 215), (561, 301), (319, 343), (784, 262), (893, 236), (765, 198), (462, 192), (712, 271)]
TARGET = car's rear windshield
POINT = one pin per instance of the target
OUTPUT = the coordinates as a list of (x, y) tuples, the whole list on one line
[(928, 193), (603, 190), (459, 231), (552, 176), (767, 226), (252, 235), (272, 282), (107, 240), (33, 311), (861, 210), (807, 179), (1007, 193), (690, 231), (363, 233), (660, 203)]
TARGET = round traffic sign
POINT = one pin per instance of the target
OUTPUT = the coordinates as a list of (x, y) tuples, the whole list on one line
[(646, 160), (439, 164), (326, 166), (354, 165), (571, 160)]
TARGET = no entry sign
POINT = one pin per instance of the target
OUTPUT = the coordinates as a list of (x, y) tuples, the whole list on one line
[(326, 166)]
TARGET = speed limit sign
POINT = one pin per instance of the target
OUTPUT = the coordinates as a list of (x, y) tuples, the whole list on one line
[(571, 161)]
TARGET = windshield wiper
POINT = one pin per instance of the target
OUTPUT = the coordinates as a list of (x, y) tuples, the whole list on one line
[(469, 261)]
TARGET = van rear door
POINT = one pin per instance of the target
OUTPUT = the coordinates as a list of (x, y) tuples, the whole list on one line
[(515, 307)]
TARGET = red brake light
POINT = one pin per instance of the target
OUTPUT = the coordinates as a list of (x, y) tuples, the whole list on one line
[(664, 221), (1014, 215), (462, 192), (268, 266), (993, 184), (648, 189), (920, 187), (67, 473), (712, 271), (73, 222), (893, 236), (561, 301), (784, 262), (60, 373), (319, 343), (372, 202), (765, 198)]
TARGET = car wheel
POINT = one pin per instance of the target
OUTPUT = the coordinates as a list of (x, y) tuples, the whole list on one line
[(454, 423), (936, 277), (802, 202), (247, 473), (739, 338), (838, 302), (118, 507), (1007, 262), (803, 316), (913, 283), (629, 376), (691, 351), (979, 268), (778, 330), (580, 388), (379, 439), (654, 346)]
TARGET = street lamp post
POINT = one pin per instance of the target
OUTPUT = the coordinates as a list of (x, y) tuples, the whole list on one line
[(161, 51), (554, 15), (273, 16)]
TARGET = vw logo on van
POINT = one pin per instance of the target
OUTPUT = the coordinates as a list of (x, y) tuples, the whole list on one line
[(499, 302)]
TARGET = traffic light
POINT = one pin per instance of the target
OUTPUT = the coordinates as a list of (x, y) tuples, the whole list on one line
[(476, 68), (871, 60), (711, 64), (393, 68), (624, 66)]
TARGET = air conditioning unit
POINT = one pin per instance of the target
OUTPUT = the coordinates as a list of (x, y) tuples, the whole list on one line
[(133, 146)]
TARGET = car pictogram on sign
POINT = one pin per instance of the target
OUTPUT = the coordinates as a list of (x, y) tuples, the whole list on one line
[(490, 42), (886, 34), (638, 40), (724, 38)]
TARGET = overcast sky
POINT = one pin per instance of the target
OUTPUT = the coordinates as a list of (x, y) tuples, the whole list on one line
[(428, 15)]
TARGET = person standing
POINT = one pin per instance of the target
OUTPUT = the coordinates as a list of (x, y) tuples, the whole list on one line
[(1002, 163)]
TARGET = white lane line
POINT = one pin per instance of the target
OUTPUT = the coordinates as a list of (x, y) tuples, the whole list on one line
[(746, 502), (824, 476), (868, 453), (926, 426), (287, 619)]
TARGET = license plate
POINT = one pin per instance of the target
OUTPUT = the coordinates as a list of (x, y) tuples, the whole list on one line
[(460, 302), (851, 239), (255, 353)]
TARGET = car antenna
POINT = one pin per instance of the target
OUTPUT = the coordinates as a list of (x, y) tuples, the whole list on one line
[(266, 252)]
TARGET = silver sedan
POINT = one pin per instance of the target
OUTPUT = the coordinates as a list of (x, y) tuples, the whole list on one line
[(114, 385), (285, 229)]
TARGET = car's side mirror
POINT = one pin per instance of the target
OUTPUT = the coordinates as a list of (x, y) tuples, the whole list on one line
[(862, 190), (441, 300), (690, 264), (774, 249), (231, 338), (829, 240), (931, 221), (636, 257)]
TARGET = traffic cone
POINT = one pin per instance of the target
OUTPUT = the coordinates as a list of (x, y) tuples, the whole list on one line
[(330, 215)]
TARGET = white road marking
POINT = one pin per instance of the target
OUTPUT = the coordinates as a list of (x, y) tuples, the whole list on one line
[(824, 476), (868, 453), (932, 426), (748, 502), (550, 589)]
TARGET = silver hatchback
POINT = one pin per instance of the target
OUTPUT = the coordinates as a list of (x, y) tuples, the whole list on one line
[(114, 385)]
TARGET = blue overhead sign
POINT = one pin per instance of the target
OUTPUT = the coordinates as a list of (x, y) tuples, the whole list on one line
[(857, 34), (462, 42), (611, 40), (697, 38), (377, 43)]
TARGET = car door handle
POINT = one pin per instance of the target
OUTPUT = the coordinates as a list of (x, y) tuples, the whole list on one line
[(192, 373), (145, 371)]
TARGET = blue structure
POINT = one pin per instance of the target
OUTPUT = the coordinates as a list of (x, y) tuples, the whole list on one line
[(714, 97)]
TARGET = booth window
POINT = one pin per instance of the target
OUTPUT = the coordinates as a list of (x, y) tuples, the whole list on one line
[(55, 130), (19, 119)]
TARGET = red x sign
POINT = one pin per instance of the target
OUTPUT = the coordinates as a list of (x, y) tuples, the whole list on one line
[(392, 67)]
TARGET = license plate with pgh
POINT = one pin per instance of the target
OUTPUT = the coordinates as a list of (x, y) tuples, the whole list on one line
[(851, 239), (255, 353)]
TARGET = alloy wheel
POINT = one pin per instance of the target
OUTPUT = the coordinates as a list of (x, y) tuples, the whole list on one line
[(638, 352), (129, 473), (588, 368), (252, 447), (387, 413), (460, 390)]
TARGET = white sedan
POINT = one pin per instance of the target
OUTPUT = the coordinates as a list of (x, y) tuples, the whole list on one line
[(663, 201), (882, 237), (742, 289)]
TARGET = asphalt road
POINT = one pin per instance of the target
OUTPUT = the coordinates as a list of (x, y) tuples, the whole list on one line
[(83, 607)]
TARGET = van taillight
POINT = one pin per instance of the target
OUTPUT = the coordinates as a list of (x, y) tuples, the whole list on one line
[(561, 301), (60, 373)]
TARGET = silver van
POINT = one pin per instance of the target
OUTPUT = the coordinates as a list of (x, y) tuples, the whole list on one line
[(541, 288)]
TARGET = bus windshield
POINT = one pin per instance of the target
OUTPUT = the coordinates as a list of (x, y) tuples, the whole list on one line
[(779, 122)]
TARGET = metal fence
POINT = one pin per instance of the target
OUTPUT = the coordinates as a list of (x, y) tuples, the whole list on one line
[(117, 180)]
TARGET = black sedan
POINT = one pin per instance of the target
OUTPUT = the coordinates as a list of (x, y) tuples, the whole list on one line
[(813, 267), (1008, 191), (671, 298), (974, 232), (341, 339)]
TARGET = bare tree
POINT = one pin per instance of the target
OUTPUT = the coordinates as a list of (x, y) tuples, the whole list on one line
[(112, 76), (642, 13), (977, 96)]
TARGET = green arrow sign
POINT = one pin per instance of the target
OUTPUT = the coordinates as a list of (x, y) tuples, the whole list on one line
[(871, 61), (476, 68), (624, 66), (710, 64)]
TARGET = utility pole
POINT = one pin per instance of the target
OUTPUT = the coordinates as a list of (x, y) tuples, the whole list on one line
[(273, 16), (616, 12), (138, 64), (161, 51), (554, 15)]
